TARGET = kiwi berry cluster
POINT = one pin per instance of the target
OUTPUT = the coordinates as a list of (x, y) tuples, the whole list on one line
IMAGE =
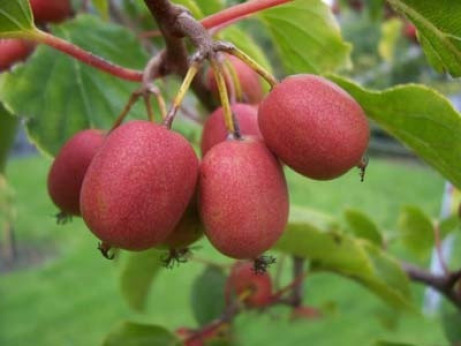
[(142, 185)]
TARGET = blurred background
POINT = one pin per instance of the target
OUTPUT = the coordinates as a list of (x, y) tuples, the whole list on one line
[(56, 289)]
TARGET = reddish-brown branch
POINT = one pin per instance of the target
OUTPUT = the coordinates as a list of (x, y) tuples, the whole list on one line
[(240, 11), (87, 57), (176, 58), (297, 282), (230, 15), (444, 284)]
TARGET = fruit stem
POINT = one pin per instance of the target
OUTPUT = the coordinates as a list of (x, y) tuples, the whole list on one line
[(251, 63), (85, 56), (133, 98), (161, 105), (238, 94), (223, 95), (291, 286), (191, 73)]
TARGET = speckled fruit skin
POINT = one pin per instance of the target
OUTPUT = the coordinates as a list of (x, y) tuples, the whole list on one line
[(250, 83), (138, 186), (214, 130), (13, 51), (243, 278), (50, 11), (187, 231), (69, 167), (314, 126), (243, 198)]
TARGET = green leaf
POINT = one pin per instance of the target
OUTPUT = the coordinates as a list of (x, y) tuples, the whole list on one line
[(362, 226), (137, 276), (353, 258), (390, 33), (209, 7), (8, 126), (451, 322), (322, 244), (389, 281), (392, 343), (136, 334), (307, 37), (439, 30), (207, 295), (449, 224), (417, 230), (419, 117), (7, 209), (15, 17), (103, 7), (60, 96), (192, 7), (246, 43)]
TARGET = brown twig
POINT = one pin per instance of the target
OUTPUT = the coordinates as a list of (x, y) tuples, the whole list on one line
[(298, 279), (175, 23), (444, 284)]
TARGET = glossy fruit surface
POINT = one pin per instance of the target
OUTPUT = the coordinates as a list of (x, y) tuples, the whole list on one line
[(243, 280), (69, 167), (249, 82), (243, 198), (214, 130), (138, 186), (314, 126), (13, 51), (53, 11)]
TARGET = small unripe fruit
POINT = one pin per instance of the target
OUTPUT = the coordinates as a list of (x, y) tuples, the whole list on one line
[(256, 287), (409, 30), (250, 83), (243, 198), (314, 126), (138, 186), (13, 51), (215, 131), (69, 167), (50, 11), (187, 231)]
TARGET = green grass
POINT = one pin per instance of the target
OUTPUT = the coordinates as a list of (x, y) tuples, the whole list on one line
[(73, 297)]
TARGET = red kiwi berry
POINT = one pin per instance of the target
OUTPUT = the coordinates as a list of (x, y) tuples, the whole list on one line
[(314, 126), (50, 11), (214, 130), (68, 171), (13, 51), (138, 186), (254, 288), (243, 198)]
